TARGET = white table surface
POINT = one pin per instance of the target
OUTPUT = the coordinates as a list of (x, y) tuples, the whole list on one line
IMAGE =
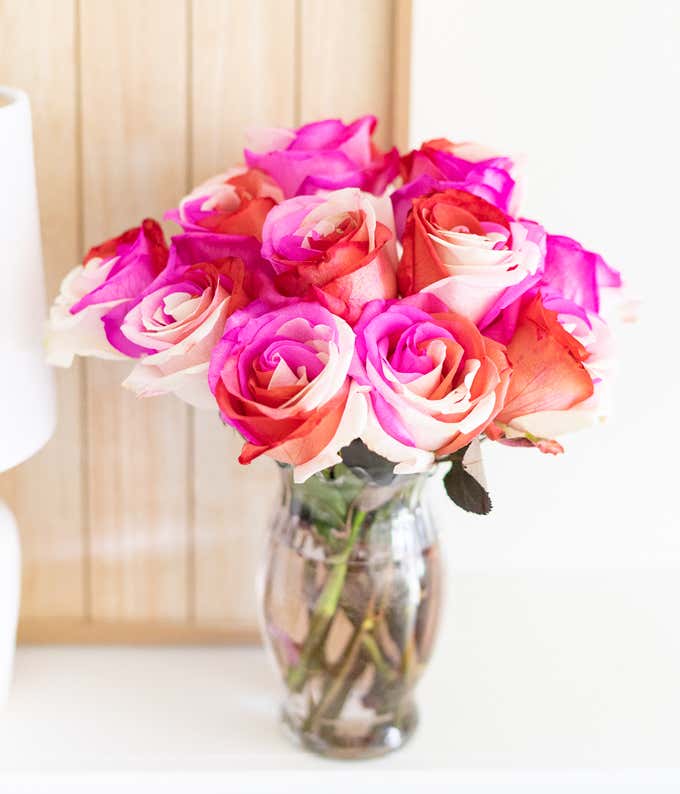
[(549, 681)]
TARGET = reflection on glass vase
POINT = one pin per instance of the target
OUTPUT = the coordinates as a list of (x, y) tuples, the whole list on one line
[(350, 593)]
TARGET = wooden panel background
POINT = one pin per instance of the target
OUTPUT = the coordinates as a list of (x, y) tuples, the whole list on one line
[(137, 523)]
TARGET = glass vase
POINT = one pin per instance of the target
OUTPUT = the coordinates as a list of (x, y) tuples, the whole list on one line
[(350, 595)]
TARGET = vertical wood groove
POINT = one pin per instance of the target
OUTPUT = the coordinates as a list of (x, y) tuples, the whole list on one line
[(297, 56), (190, 419), (389, 88), (401, 72), (82, 368), (189, 22)]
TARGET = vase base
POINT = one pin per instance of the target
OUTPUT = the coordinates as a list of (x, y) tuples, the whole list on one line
[(351, 740)]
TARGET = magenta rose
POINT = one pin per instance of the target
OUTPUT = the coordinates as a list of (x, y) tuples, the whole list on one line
[(577, 274), (324, 155), (568, 271)]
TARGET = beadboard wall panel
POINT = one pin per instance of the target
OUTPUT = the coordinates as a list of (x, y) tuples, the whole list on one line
[(133, 58), (144, 528), (348, 73)]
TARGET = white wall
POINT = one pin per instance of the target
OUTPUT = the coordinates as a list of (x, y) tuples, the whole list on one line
[(590, 92)]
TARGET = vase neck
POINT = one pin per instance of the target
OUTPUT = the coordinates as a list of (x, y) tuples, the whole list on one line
[(343, 513), (355, 488)]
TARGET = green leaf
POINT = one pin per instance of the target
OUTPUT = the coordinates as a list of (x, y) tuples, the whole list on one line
[(324, 501), (465, 483)]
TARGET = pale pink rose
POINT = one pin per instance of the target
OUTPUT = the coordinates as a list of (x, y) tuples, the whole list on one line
[(85, 316), (181, 316), (81, 334)]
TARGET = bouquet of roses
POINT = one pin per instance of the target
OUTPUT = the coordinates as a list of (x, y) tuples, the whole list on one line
[(336, 302)]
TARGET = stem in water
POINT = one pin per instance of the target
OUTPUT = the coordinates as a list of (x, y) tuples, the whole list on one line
[(325, 608)]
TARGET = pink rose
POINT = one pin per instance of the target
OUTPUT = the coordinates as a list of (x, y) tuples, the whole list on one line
[(332, 249), (324, 155), (94, 297), (562, 368), (439, 165), (467, 252), (180, 317), (443, 159), (234, 203), (280, 377), (435, 382)]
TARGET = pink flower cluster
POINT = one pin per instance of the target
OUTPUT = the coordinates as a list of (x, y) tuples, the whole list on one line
[(326, 291)]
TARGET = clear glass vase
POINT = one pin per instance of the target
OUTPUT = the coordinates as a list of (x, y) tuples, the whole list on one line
[(350, 595)]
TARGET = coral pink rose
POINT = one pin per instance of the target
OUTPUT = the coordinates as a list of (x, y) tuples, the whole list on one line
[(180, 318), (324, 155), (551, 388), (435, 382), (593, 333), (467, 252), (280, 377), (234, 203), (85, 317), (332, 249)]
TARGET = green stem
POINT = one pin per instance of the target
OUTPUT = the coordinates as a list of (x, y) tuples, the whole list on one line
[(340, 684), (373, 650), (325, 608)]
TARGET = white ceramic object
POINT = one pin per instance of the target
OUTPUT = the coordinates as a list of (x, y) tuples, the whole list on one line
[(27, 399), (10, 585), (27, 402)]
